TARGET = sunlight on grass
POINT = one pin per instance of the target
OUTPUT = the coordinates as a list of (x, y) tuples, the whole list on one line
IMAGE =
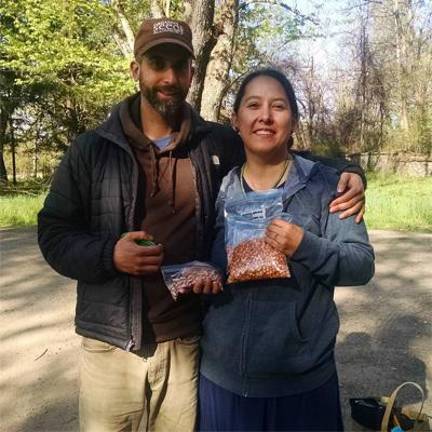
[(400, 203), (20, 210), (393, 202)]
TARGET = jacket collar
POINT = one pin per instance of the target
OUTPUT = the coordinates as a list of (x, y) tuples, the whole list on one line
[(111, 129), (302, 170)]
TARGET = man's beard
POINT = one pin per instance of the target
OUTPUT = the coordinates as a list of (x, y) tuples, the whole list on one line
[(168, 109)]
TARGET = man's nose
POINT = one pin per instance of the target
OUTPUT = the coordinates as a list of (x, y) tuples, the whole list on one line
[(170, 76)]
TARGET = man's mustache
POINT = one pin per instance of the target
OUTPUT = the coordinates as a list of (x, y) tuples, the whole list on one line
[(171, 90)]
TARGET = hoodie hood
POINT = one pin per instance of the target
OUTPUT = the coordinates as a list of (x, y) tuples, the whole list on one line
[(112, 129)]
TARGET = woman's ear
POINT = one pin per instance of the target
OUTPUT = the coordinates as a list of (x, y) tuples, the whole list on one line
[(234, 122)]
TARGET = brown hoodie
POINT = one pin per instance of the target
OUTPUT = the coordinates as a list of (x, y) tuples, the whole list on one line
[(165, 209)]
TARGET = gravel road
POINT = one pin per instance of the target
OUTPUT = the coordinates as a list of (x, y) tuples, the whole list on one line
[(385, 336)]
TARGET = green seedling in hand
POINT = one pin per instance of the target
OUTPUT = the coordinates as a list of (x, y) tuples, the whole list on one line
[(145, 243), (142, 242)]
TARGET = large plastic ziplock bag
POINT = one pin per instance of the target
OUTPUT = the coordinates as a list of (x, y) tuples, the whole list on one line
[(249, 256), (180, 278)]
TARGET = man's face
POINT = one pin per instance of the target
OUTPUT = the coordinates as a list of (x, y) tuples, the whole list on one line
[(164, 74)]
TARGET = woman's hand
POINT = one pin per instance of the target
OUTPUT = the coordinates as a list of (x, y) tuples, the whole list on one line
[(284, 236), (352, 200)]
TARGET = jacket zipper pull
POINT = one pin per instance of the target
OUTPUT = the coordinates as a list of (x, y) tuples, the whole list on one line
[(130, 345)]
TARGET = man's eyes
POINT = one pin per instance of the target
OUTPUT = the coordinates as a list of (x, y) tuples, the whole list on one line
[(158, 63), (181, 65)]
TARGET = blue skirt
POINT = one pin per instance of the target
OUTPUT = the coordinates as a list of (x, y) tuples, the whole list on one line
[(316, 410)]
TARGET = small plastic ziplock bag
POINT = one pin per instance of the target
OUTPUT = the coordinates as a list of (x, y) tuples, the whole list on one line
[(180, 278), (249, 256)]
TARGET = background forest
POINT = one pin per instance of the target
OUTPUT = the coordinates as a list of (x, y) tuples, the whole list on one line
[(361, 68)]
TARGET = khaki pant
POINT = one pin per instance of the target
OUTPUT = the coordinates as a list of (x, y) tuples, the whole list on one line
[(149, 391)]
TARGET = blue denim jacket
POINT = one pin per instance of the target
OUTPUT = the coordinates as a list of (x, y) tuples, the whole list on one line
[(276, 337)]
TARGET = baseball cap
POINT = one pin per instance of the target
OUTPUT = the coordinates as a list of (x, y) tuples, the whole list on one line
[(153, 32)]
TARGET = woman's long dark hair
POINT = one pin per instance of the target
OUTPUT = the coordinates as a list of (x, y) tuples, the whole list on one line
[(279, 77)]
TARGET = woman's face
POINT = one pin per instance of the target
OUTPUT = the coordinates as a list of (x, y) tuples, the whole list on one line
[(264, 118)]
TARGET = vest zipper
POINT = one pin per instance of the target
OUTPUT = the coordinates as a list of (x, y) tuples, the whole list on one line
[(198, 208), (135, 283), (130, 344)]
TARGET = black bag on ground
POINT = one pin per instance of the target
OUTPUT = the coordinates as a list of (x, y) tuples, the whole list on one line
[(382, 413)]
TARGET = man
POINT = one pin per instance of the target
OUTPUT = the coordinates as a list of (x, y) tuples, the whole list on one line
[(152, 170)]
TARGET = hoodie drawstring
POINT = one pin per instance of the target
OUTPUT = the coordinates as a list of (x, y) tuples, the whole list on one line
[(172, 163), (154, 171), (172, 174)]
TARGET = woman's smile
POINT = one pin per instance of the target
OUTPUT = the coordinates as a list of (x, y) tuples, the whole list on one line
[(264, 132)]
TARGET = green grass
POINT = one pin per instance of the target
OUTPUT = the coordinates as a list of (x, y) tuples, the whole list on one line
[(393, 202), (20, 210), (20, 204), (399, 203)]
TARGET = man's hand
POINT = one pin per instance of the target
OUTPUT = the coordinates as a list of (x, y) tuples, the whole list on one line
[(205, 286), (352, 200), (284, 236), (134, 259)]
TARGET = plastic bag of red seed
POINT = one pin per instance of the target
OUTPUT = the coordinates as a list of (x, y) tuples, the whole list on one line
[(180, 278), (249, 256)]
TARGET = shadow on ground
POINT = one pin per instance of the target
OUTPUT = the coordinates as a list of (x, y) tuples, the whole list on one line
[(386, 326), (385, 334), (38, 384)]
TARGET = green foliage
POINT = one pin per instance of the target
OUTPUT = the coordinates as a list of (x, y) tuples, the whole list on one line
[(60, 43), (63, 47), (20, 204), (400, 203), (263, 33), (134, 10), (60, 69), (20, 210), (393, 202), (32, 187)]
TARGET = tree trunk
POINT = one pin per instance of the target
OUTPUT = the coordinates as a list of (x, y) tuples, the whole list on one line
[(215, 84), (363, 78), (125, 41), (203, 41), (156, 9), (13, 151), (36, 153), (3, 171), (401, 61), (187, 10)]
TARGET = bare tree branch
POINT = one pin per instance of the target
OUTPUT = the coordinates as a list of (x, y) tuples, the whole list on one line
[(283, 5), (125, 43), (156, 9)]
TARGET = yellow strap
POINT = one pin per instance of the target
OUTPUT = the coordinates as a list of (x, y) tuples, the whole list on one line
[(392, 399)]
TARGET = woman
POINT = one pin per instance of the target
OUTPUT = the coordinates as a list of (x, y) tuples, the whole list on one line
[(268, 346)]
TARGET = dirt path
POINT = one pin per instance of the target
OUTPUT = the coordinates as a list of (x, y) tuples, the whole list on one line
[(385, 337)]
